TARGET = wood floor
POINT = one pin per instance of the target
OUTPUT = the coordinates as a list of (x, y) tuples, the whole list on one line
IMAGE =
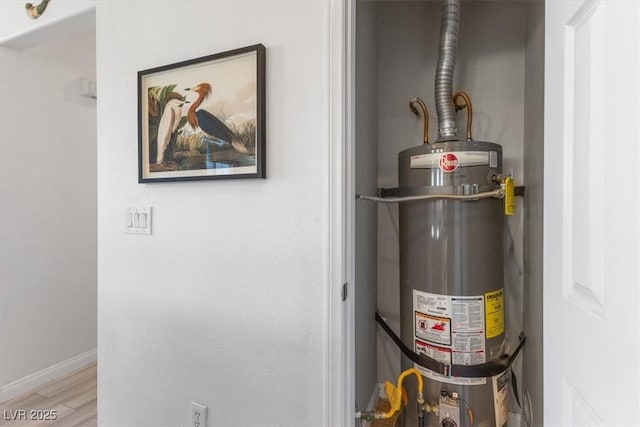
[(73, 400)]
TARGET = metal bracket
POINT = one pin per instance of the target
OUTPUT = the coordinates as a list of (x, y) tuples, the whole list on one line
[(413, 191)]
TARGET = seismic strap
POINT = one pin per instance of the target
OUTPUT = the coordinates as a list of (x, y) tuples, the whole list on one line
[(483, 370)]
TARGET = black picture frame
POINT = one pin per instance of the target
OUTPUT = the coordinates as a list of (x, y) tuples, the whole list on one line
[(203, 119)]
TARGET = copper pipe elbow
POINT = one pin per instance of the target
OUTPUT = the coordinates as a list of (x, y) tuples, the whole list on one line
[(425, 116), (467, 104)]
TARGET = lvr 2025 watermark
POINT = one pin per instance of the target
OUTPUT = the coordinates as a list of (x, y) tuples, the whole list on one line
[(30, 415)]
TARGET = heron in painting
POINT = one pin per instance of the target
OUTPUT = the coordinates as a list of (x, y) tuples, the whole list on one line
[(34, 11), (213, 127), (168, 125)]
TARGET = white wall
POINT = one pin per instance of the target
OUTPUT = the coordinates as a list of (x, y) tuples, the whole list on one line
[(18, 31), (226, 302), (48, 208), (490, 67)]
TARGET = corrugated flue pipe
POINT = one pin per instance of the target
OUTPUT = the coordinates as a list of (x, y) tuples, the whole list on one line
[(444, 71)]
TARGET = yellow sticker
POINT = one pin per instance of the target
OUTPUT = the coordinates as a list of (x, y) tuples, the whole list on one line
[(509, 197), (494, 313)]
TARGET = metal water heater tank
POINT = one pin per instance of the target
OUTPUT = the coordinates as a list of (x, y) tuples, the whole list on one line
[(451, 278)]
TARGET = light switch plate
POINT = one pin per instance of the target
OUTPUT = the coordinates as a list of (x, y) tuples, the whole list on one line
[(137, 219)]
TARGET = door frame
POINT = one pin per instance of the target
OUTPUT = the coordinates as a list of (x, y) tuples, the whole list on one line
[(340, 358)]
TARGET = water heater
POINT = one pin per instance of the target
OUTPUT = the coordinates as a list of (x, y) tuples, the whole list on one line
[(451, 277)]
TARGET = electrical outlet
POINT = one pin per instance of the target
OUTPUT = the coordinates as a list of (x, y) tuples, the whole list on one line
[(198, 415)]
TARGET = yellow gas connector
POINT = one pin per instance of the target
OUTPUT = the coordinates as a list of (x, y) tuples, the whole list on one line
[(394, 395)]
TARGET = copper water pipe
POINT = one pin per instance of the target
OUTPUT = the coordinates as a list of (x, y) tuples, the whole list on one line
[(467, 105), (425, 116)]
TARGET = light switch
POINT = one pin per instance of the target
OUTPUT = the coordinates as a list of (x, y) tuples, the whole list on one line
[(137, 219)]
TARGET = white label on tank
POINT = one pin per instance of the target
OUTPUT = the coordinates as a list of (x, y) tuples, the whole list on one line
[(493, 159), (450, 161), (434, 329), (468, 314), (500, 397), (441, 354), (449, 329)]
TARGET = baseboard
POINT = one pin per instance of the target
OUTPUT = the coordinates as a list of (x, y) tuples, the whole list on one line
[(33, 381)]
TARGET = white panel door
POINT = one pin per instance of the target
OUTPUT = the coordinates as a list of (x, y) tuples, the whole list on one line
[(591, 213)]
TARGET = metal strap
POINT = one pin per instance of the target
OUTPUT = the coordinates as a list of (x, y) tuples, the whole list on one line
[(483, 370)]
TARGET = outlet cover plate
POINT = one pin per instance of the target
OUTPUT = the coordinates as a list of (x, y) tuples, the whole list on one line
[(198, 415)]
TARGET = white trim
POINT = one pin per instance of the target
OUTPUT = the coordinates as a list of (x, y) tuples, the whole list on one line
[(33, 381), (349, 199), (340, 357)]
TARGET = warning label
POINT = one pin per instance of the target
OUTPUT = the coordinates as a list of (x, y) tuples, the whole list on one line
[(494, 309), (467, 314), (436, 305), (434, 329), (471, 343), (450, 329), (441, 354), (468, 358), (501, 398)]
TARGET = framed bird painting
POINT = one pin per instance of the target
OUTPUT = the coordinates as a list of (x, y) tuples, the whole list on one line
[(203, 118)]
